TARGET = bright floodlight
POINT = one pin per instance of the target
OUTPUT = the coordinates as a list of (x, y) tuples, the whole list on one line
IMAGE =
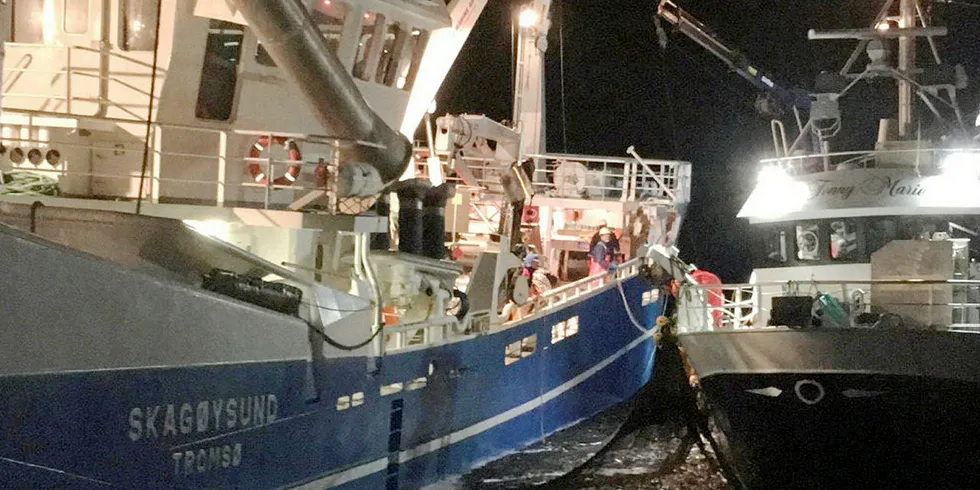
[(528, 18), (960, 165), (883, 26), (773, 175), (778, 193)]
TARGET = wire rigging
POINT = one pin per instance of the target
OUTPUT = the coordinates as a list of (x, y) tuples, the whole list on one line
[(149, 111), (561, 63)]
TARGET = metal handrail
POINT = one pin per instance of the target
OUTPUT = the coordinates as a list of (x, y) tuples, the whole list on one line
[(911, 281), (100, 51), (734, 299), (795, 161)]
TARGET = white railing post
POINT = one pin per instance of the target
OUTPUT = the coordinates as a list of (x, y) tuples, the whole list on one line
[(268, 173), (222, 167), (157, 145), (68, 79), (738, 307)]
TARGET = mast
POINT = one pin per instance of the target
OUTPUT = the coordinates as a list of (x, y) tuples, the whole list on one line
[(906, 63), (532, 43)]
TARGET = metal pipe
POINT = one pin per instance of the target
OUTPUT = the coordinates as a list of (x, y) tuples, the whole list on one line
[(906, 62), (296, 45), (813, 34)]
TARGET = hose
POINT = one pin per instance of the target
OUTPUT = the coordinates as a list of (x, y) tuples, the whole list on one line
[(326, 338)]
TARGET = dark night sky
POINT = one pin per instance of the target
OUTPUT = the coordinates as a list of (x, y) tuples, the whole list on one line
[(621, 89)]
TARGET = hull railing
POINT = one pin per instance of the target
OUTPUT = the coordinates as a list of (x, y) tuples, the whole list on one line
[(946, 305), (426, 333)]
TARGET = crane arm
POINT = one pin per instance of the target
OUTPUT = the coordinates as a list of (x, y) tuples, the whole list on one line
[(694, 29)]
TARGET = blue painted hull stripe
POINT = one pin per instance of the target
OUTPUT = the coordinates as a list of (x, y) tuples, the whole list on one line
[(363, 470)]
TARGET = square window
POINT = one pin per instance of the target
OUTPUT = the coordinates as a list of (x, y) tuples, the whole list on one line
[(808, 241)]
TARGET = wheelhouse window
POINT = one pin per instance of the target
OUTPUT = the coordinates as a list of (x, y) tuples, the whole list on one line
[(412, 57), (808, 241), (329, 16), (843, 240), (32, 22), (219, 75), (139, 24), (774, 246), (880, 232), (394, 42), (922, 228), (369, 45), (76, 16)]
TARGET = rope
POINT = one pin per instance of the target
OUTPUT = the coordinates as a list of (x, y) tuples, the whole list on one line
[(149, 111), (626, 306)]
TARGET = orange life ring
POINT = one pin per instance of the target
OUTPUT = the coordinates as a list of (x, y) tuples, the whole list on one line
[(260, 145)]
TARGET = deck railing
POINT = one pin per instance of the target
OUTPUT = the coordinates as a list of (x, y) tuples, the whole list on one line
[(921, 304), (221, 158), (609, 178), (924, 159), (64, 69), (605, 178), (403, 336)]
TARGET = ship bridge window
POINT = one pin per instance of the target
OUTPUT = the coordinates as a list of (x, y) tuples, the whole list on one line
[(922, 228), (774, 246), (843, 240), (394, 43), (880, 232), (808, 241), (76, 16), (369, 45), (219, 74), (139, 24), (410, 52), (32, 22), (329, 16)]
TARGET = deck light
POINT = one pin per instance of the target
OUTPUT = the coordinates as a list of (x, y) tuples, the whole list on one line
[(960, 165), (778, 193), (527, 18)]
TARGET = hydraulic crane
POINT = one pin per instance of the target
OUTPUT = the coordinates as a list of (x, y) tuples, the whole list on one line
[(776, 101)]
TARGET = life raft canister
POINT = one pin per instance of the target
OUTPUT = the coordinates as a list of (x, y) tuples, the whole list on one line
[(260, 145), (713, 296)]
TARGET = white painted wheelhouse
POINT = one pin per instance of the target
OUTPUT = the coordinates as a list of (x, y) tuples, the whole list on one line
[(78, 75), (810, 224)]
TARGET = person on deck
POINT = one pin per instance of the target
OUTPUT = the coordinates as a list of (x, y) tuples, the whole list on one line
[(595, 237), (603, 254)]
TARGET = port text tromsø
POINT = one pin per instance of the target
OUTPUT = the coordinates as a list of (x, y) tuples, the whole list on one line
[(203, 417)]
